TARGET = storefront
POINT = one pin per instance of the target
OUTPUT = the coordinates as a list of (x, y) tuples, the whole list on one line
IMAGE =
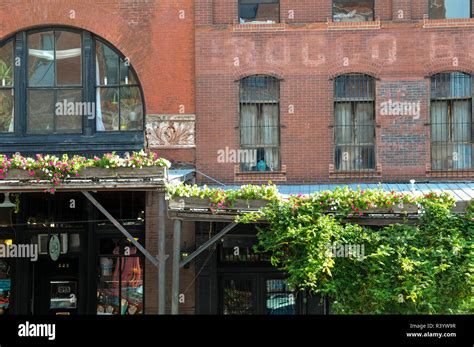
[(80, 262)]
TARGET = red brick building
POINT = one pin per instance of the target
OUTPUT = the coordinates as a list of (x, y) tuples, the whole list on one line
[(243, 91)]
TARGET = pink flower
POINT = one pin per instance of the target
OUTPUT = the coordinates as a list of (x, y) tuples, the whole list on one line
[(52, 190), (32, 173)]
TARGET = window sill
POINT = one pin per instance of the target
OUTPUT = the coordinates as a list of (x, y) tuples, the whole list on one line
[(447, 23), (259, 176), (364, 173), (375, 24), (251, 27), (447, 173)]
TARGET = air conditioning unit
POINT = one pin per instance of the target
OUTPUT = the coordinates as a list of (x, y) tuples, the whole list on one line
[(43, 243)]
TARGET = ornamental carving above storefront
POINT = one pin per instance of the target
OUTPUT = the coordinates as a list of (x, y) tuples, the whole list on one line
[(170, 131)]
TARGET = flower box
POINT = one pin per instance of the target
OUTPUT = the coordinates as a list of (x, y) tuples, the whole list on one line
[(402, 208), (122, 172), (195, 203), (18, 174)]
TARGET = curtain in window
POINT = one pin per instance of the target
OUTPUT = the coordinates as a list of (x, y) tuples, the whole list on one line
[(270, 134), (461, 134), (439, 134), (98, 103), (344, 126), (249, 124)]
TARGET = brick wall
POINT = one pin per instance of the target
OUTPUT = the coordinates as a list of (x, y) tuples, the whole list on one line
[(307, 58)]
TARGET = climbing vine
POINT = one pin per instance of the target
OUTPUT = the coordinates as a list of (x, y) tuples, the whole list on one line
[(422, 267)]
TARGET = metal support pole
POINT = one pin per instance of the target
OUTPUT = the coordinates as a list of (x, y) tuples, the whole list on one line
[(142, 249), (176, 268), (161, 254)]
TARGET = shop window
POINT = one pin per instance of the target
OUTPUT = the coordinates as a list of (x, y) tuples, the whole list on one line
[(354, 122), (238, 297), (280, 298), (6, 88), (353, 10), (451, 121), (120, 278), (5, 283), (259, 11), (260, 123), (447, 9)]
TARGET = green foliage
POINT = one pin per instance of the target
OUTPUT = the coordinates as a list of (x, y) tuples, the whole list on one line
[(404, 269)]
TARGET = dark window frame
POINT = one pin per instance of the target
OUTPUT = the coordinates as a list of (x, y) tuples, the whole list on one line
[(430, 16), (333, 12), (89, 140), (12, 86)]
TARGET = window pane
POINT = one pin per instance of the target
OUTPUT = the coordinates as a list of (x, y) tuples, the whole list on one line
[(68, 58), (6, 110), (107, 113), (344, 123), (364, 123), (132, 284), (70, 110), (237, 297), (107, 65), (259, 89), (108, 295), (126, 74), (446, 9), (353, 11), (6, 65), (5, 283), (40, 111), (451, 85), (354, 87), (259, 11), (41, 59), (131, 109), (280, 299)]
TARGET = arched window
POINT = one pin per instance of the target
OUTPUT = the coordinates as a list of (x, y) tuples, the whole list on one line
[(59, 84), (260, 123), (354, 114), (6, 88), (451, 121)]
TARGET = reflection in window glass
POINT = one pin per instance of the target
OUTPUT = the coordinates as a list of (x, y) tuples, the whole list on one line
[(40, 111), (54, 65), (446, 9), (353, 10), (5, 284), (118, 96), (238, 297), (280, 299), (6, 88), (255, 11), (120, 278)]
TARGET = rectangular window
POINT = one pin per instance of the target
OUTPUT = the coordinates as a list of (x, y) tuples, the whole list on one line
[(55, 101), (353, 10), (447, 9), (260, 123), (354, 122), (259, 11), (451, 121), (6, 89)]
